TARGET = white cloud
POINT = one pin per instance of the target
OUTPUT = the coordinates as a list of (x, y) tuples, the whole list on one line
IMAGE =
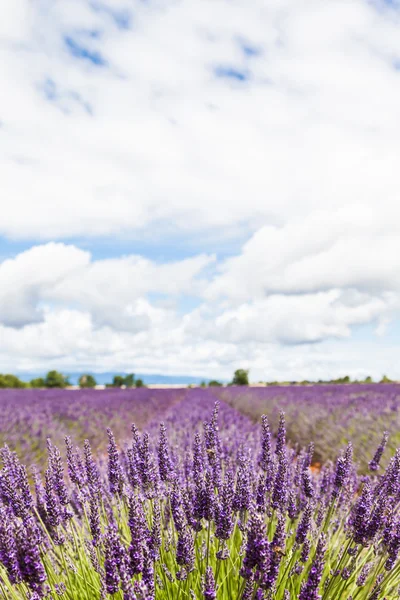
[(315, 124), (300, 158), (113, 291)]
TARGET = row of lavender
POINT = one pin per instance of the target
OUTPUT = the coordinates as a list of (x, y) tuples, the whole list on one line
[(218, 509), (331, 415), (28, 417)]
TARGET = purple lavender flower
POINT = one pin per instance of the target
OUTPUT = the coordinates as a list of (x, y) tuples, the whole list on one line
[(164, 461), (242, 499), (209, 592), (112, 578), (198, 458), (365, 571), (305, 551), (115, 475), (155, 534), (94, 519), (343, 466), (307, 483), (92, 473), (185, 553), (275, 554), (309, 588), (361, 515), (56, 469), (139, 535), (280, 492), (147, 468), (31, 566), (257, 548), (178, 513), (281, 436), (304, 524), (212, 444), (8, 548), (266, 462), (75, 467), (374, 463), (224, 506), (132, 468)]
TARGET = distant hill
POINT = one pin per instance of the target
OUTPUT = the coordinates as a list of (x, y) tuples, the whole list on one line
[(103, 378)]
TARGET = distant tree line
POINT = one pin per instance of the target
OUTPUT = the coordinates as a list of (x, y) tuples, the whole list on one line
[(54, 379)]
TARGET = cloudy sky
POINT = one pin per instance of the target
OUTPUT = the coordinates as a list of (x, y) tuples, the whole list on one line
[(191, 187)]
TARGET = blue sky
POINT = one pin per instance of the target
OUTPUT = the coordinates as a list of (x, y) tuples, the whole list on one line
[(191, 189)]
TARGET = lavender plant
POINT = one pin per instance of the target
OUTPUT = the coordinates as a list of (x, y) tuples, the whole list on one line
[(205, 505)]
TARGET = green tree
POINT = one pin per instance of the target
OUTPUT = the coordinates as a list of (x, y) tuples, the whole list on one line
[(368, 379), (118, 381), (87, 381), (140, 383), (54, 379), (129, 380), (37, 383), (240, 377), (214, 383), (11, 381), (385, 379)]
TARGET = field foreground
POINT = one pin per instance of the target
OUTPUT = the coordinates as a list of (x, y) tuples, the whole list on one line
[(214, 503)]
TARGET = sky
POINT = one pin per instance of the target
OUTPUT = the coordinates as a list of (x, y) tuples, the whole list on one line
[(194, 187)]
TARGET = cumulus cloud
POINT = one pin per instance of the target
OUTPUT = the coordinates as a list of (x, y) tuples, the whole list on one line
[(112, 291), (273, 125), (179, 122)]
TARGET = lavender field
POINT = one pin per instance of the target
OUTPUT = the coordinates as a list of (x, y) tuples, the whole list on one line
[(213, 494)]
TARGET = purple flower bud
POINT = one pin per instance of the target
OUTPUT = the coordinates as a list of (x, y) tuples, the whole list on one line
[(309, 588), (185, 553), (343, 466), (8, 548), (279, 495), (224, 517), (305, 551), (92, 473), (304, 525), (209, 592), (242, 499), (115, 475), (139, 534), (112, 578), (155, 535), (266, 462), (147, 468), (94, 519), (164, 461), (56, 469), (365, 571), (275, 556), (257, 547), (281, 435), (374, 464), (132, 468), (307, 483), (212, 444), (361, 515), (178, 513), (31, 566), (198, 459)]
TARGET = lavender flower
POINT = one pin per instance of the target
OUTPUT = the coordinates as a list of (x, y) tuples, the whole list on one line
[(281, 436), (164, 461), (374, 463), (115, 475), (309, 588), (209, 592)]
